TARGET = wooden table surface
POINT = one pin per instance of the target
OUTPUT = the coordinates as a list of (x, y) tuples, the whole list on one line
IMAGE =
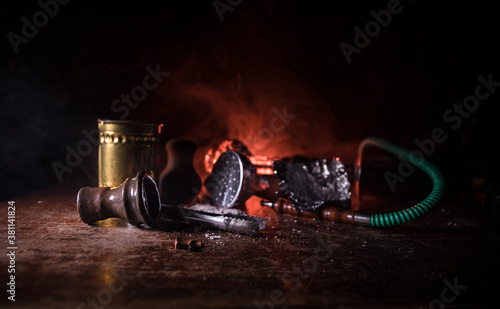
[(448, 258)]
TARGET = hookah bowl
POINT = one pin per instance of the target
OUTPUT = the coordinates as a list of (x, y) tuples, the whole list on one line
[(136, 201)]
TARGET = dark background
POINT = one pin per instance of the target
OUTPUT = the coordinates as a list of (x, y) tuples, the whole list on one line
[(226, 77)]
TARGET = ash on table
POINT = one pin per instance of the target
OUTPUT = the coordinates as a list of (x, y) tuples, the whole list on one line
[(234, 220), (309, 183), (216, 210)]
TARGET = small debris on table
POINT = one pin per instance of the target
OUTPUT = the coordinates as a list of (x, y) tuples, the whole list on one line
[(212, 236), (188, 244)]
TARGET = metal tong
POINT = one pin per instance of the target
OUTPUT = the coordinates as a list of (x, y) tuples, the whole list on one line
[(214, 217)]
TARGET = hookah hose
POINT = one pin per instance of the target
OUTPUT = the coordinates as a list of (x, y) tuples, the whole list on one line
[(381, 219), (417, 210)]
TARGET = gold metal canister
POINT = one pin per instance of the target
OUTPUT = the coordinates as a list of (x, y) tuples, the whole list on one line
[(126, 148)]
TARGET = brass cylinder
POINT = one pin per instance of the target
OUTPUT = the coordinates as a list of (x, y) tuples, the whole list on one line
[(126, 148)]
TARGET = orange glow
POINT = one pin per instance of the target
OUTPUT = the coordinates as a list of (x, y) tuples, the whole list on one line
[(210, 159), (213, 154), (263, 164), (265, 171), (254, 209), (261, 161)]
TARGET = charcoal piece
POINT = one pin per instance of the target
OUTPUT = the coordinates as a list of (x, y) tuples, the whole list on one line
[(181, 243), (188, 244), (310, 183), (195, 245)]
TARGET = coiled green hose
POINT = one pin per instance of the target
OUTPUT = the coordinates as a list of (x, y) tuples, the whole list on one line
[(416, 211)]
